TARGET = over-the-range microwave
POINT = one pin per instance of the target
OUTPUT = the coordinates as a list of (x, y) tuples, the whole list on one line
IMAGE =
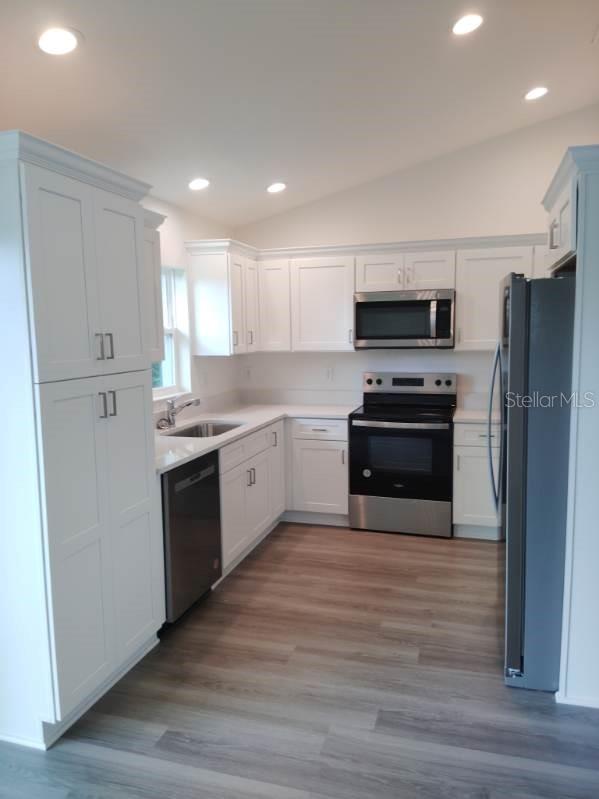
[(404, 319)]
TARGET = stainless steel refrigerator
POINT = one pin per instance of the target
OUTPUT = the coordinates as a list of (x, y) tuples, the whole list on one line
[(532, 378)]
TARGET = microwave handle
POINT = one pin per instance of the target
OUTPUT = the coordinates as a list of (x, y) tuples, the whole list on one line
[(433, 318)]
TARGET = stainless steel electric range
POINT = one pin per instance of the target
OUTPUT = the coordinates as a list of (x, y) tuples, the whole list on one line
[(401, 454)]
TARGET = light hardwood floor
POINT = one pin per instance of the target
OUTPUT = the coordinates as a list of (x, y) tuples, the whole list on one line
[(334, 664)]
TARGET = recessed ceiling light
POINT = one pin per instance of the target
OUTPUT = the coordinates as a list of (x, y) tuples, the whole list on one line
[(534, 94), (275, 188), (58, 41), (467, 24), (198, 183)]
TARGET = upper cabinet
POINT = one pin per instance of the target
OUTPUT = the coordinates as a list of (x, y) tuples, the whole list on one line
[(274, 304), (251, 305), (153, 285), (478, 278), (380, 272), (561, 211), (322, 304), (430, 270), (407, 271), (84, 250)]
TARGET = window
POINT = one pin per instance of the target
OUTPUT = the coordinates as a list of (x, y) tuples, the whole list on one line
[(169, 376)]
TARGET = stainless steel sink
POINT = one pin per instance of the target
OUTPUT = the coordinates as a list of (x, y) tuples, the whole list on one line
[(205, 429)]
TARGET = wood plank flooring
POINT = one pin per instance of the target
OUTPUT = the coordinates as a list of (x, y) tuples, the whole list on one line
[(335, 664)]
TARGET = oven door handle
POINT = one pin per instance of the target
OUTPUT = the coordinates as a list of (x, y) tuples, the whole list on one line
[(402, 425)]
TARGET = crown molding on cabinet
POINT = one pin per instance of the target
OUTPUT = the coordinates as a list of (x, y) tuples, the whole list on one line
[(15, 144), (583, 159), (205, 246), (152, 219)]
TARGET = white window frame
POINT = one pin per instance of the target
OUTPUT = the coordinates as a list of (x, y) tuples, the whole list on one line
[(176, 323)]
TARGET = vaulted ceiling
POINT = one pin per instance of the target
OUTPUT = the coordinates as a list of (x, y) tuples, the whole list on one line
[(321, 94)]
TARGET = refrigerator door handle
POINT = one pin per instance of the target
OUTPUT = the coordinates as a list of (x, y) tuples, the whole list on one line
[(495, 487)]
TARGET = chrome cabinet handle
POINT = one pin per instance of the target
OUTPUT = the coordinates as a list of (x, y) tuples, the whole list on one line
[(343, 457), (409, 275), (399, 275), (553, 245), (102, 355), (276, 438), (254, 476), (104, 414), (350, 336), (249, 482), (235, 338), (250, 337), (319, 430), (110, 337), (112, 395)]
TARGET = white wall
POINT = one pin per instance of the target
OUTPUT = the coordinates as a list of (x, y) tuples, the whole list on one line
[(492, 188), (210, 377), (325, 378)]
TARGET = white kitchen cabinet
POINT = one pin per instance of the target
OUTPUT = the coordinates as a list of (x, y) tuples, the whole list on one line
[(102, 536), (62, 274), (237, 303), (153, 286), (251, 306), (322, 304), (429, 270), (277, 470), (380, 272), (478, 278), (540, 259), (472, 494), (562, 224), (274, 304), (320, 476), (245, 505)]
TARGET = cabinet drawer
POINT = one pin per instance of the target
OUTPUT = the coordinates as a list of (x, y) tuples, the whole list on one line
[(331, 429), (248, 446), (475, 435)]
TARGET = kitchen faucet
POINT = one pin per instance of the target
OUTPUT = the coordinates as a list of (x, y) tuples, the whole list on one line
[(172, 410)]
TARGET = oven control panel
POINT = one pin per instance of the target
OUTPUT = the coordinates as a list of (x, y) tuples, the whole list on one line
[(409, 382)]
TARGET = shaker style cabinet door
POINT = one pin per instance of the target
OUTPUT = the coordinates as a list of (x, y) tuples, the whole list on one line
[(234, 524), (120, 256), (136, 541), (74, 417), (237, 302), (252, 333), (320, 476), (322, 294), (472, 495), (380, 272), (275, 312), (277, 470), (430, 270), (62, 276)]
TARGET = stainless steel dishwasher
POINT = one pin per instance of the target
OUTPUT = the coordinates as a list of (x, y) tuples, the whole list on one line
[(192, 542)]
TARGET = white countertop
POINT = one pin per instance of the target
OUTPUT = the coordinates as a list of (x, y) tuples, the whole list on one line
[(172, 451)]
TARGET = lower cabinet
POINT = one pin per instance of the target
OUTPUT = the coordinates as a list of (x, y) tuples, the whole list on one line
[(252, 492), (473, 502), (320, 476), (103, 539)]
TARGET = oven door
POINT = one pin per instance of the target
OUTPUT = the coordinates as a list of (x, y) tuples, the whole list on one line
[(410, 460), (403, 319)]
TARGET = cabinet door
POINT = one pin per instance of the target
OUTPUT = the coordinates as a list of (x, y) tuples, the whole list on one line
[(236, 280), (120, 255), (380, 272), (258, 503), (277, 470), (322, 304), (430, 270), (478, 277), (562, 226), (235, 529), (320, 479), (274, 301), (252, 333), (472, 494), (135, 532), (61, 266), (153, 287), (75, 494)]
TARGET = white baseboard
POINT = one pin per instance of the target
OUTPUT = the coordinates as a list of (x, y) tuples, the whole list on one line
[(52, 732), (228, 569), (579, 701), (477, 531), (325, 519), (31, 743)]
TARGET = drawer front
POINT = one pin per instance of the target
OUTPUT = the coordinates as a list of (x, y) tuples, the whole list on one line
[(239, 451), (475, 435), (330, 429)]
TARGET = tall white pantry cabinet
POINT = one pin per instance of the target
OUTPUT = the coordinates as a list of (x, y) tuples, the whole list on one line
[(81, 583)]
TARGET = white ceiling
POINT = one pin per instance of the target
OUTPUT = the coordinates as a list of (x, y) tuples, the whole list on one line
[(322, 94)]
